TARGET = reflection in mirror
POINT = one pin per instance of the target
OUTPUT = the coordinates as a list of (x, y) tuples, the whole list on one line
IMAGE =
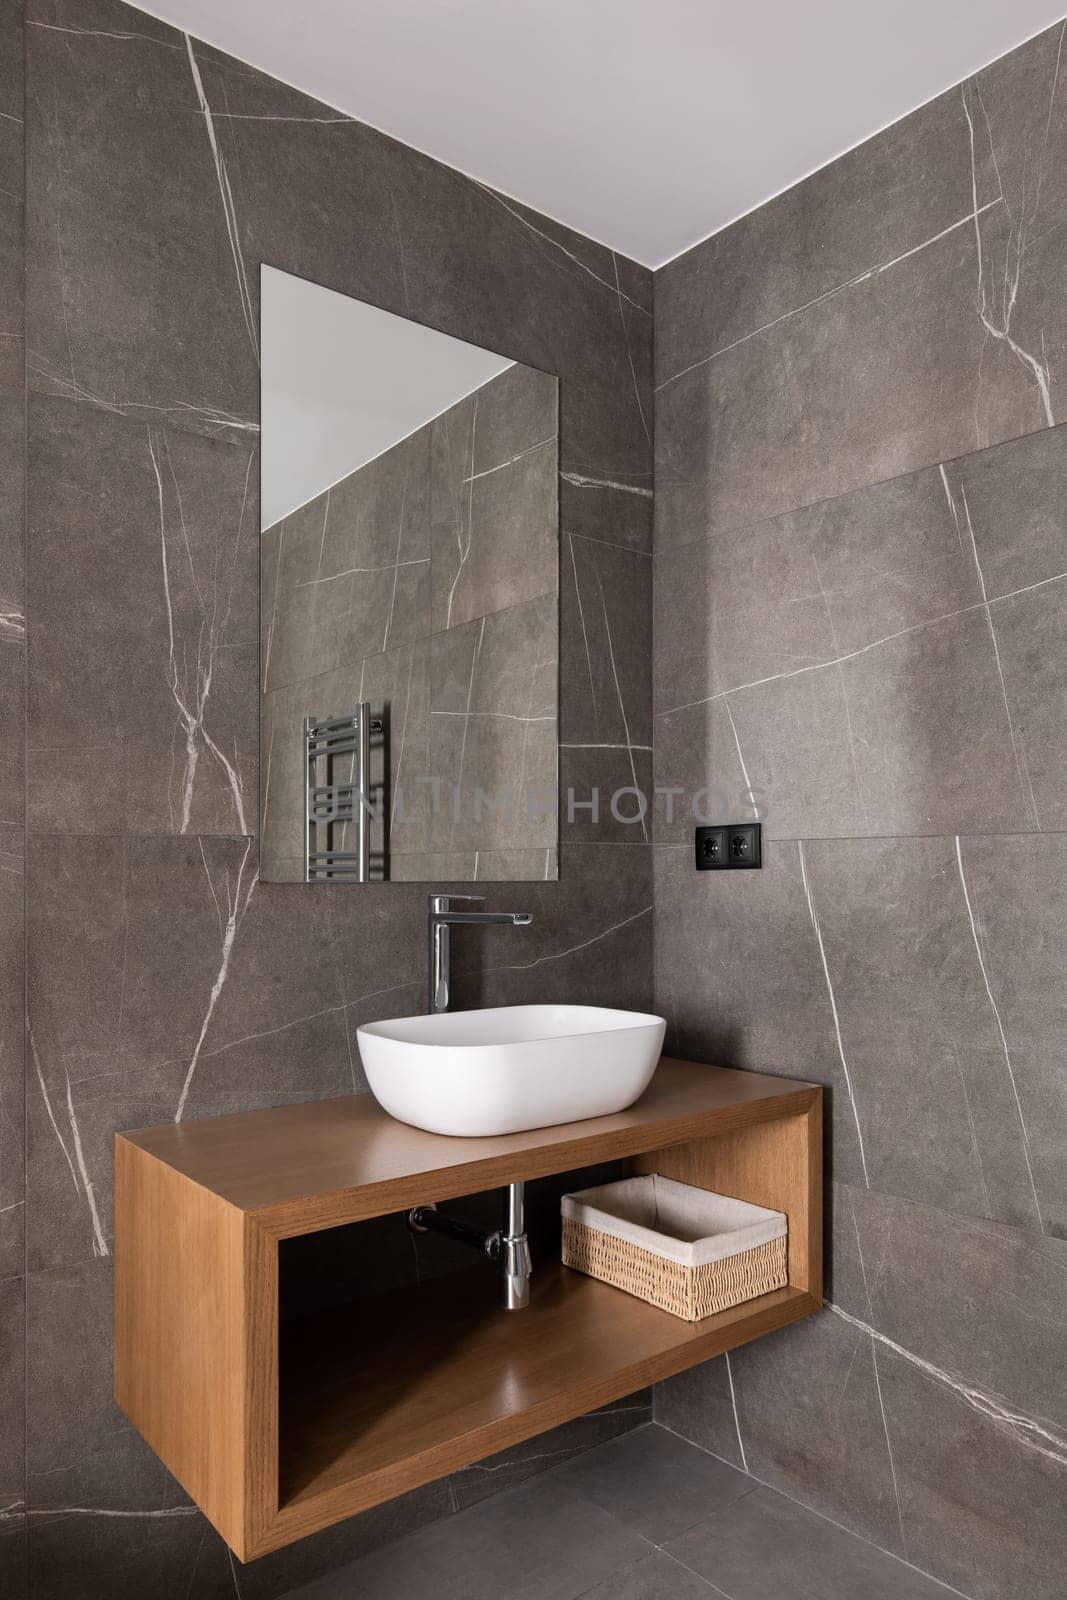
[(409, 613)]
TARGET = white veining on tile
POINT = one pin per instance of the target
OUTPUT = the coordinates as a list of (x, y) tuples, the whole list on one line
[(581, 481), (642, 799), (952, 506), (396, 785), (48, 1108), (326, 499), (269, 641), (629, 350), (741, 758), (833, 1008), (100, 33), (1025, 1430), (12, 625), (997, 310), (877, 1376), (238, 896), (266, 116), (396, 562), (1021, 767), (283, 1027), (828, 294), (192, 708), (99, 1242), (82, 1184), (210, 418), (555, 244), (517, 1457), (737, 1417), (844, 696), (852, 655), (503, 716), (585, 633), (613, 544), (558, 955), (490, 1469), (248, 303), (475, 657), (1000, 1030), (107, 1511), (463, 546), (1051, 107), (975, 1145), (530, 718), (588, 746), (355, 572), (487, 472), (233, 1574)]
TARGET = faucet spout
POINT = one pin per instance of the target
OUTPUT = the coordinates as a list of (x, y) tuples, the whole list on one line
[(509, 1247), (444, 913)]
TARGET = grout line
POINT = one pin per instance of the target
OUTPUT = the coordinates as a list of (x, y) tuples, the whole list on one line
[(736, 529), (611, 544), (713, 1587), (829, 294), (862, 650), (820, 1515), (828, 838), (1021, 768), (22, 545)]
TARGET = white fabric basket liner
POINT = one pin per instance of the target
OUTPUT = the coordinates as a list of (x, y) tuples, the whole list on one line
[(691, 1226)]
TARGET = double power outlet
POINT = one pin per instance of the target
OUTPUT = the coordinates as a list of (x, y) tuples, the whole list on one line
[(729, 845)]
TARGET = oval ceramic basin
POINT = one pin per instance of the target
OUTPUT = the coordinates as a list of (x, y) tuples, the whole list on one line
[(510, 1067)]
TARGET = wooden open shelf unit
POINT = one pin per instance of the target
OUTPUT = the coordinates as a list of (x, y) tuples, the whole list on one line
[(277, 1440)]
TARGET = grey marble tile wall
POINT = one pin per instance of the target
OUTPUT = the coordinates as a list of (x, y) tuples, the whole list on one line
[(12, 791), (861, 612), (164, 979), (427, 582)]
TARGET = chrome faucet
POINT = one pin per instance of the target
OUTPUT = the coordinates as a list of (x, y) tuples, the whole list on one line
[(507, 1247), (442, 916)]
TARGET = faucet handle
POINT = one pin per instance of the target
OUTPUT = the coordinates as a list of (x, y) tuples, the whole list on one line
[(440, 903)]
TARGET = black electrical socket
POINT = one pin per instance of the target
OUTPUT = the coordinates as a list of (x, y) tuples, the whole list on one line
[(732, 844)]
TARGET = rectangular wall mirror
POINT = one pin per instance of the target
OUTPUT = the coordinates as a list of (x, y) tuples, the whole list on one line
[(409, 610)]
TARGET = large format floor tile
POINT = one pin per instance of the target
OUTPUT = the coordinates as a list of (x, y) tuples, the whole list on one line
[(647, 1517)]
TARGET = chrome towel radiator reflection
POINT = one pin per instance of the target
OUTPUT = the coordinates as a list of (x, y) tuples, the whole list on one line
[(327, 804)]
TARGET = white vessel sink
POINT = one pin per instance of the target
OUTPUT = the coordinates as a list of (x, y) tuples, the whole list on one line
[(511, 1067)]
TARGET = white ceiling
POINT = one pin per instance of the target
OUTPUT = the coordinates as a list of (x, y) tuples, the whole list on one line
[(343, 381), (646, 124)]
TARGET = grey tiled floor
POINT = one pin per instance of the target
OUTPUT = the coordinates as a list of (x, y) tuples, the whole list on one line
[(646, 1517)]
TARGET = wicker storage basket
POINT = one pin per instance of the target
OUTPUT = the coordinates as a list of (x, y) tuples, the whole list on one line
[(689, 1251)]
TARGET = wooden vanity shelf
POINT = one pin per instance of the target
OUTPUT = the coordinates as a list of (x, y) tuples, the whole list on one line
[(371, 1400)]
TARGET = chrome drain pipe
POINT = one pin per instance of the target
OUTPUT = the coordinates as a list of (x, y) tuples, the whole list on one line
[(514, 1259), (507, 1247)]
